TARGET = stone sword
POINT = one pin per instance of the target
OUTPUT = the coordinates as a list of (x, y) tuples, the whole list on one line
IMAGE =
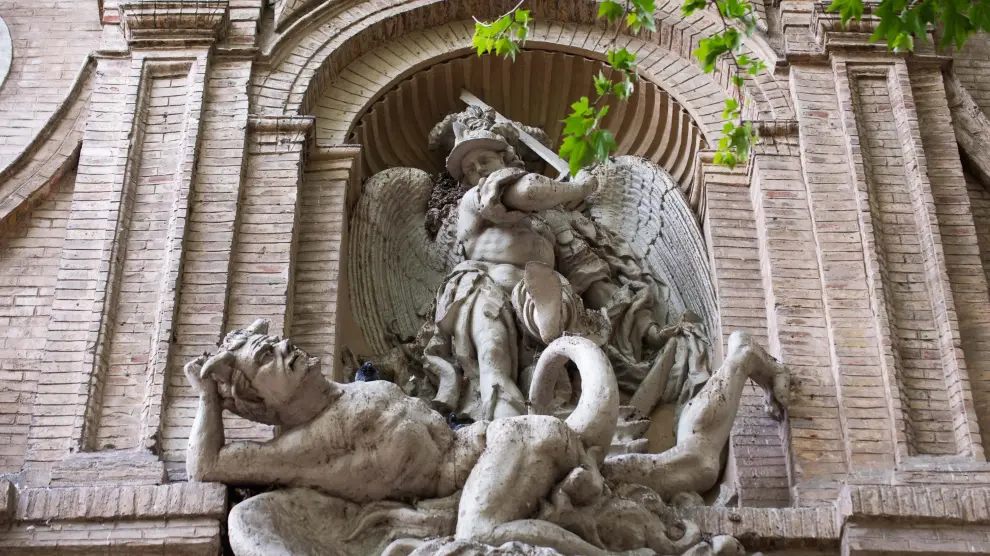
[(546, 154)]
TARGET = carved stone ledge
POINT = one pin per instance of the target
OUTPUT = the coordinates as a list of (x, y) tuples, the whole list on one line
[(776, 137), (954, 504), (198, 536), (765, 528), (109, 468), (174, 22), (176, 500), (290, 132)]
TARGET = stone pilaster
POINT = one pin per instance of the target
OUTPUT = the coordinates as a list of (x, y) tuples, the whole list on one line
[(757, 455), (798, 324)]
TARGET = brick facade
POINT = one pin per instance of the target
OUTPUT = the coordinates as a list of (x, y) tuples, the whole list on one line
[(172, 170)]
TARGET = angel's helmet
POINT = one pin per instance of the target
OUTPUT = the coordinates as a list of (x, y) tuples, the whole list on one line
[(260, 376), (475, 134), (476, 153)]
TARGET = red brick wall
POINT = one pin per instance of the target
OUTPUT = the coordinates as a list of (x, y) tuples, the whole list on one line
[(29, 256)]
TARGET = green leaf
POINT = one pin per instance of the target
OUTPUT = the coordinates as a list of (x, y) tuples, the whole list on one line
[(522, 16), (500, 46), (610, 10), (581, 120), (958, 27), (582, 107), (691, 6), (603, 85), (708, 52), (602, 144), (632, 21), (577, 151), (502, 25), (622, 60), (737, 81), (903, 42), (641, 15), (623, 89), (979, 14), (732, 39), (478, 42), (848, 9), (731, 108)]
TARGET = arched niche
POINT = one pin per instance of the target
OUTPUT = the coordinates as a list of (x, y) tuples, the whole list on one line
[(387, 101), (537, 90)]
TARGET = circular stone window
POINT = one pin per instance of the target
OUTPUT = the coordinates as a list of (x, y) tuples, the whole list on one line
[(6, 51)]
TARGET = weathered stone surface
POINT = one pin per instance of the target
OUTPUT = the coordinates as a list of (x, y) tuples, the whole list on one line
[(171, 170)]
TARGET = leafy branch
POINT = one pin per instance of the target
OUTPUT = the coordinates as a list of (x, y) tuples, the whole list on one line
[(736, 142), (504, 36), (585, 141)]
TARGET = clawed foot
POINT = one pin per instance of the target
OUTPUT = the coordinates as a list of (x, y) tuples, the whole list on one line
[(766, 371)]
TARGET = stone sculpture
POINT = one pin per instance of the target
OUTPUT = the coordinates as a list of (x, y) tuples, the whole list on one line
[(453, 450)]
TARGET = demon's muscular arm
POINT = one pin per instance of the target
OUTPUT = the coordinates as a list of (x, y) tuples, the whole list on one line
[(535, 192), (206, 438), (209, 458)]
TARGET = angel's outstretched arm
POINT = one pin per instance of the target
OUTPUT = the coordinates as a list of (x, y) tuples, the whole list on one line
[(535, 192)]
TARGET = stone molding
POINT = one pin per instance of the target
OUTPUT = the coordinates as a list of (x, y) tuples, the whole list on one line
[(777, 137), (293, 128), (282, 132), (178, 518), (174, 22), (114, 468), (766, 528), (957, 504)]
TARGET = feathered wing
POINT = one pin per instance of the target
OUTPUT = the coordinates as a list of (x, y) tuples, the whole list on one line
[(640, 202), (394, 268)]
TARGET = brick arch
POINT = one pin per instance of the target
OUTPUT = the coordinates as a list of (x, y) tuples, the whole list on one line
[(367, 79), (312, 54)]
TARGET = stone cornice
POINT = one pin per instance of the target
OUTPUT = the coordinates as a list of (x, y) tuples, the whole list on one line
[(165, 23)]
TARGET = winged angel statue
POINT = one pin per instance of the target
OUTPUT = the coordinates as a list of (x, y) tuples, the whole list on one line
[(492, 281)]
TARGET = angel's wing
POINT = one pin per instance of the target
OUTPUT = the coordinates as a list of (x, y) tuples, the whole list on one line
[(640, 202), (394, 268)]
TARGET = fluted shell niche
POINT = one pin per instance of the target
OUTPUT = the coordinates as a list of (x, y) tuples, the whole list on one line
[(537, 90)]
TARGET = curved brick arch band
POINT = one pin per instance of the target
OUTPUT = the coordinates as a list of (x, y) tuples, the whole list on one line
[(363, 82), (314, 52)]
